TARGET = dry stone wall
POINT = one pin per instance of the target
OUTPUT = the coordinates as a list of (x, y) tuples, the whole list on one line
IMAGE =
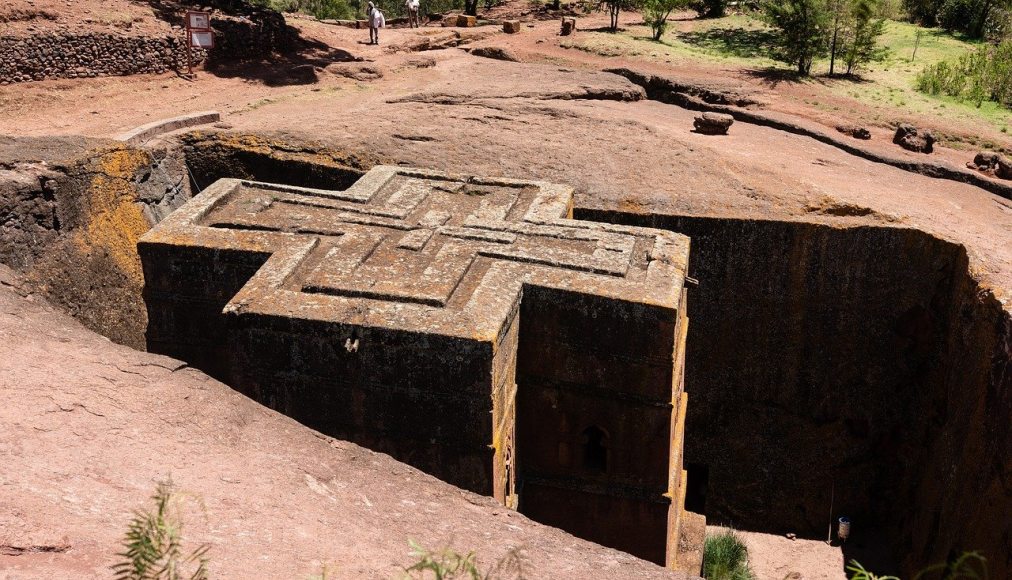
[(69, 56)]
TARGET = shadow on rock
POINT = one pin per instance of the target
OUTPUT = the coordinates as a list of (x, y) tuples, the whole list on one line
[(297, 67)]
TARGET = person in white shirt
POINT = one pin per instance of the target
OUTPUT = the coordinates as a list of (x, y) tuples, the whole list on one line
[(376, 21), (412, 9)]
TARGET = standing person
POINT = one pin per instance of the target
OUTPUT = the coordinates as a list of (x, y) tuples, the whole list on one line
[(376, 21), (412, 8)]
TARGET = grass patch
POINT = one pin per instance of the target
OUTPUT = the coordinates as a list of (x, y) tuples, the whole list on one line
[(725, 557), (744, 41)]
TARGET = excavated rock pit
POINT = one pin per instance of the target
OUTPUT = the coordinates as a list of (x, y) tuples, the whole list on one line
[(860, 365)]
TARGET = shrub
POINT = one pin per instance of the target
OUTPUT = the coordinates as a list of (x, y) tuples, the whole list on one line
[(708, 8), (802, 31), (957, 15), (968, 566), (447, 564), (656, 13), (725, 557), (152, 548), (982, 75), (864, 34)]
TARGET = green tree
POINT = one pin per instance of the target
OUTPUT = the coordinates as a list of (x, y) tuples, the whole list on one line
[(923, 12), (802, 28), (709, 8), (656, 13), (616, 6), (839, 11), (972, 17), (866, 31)]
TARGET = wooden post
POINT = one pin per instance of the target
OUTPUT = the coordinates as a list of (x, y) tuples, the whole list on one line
[(189, 53)]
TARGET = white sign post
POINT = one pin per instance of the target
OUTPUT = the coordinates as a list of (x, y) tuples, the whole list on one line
[(198, 35)]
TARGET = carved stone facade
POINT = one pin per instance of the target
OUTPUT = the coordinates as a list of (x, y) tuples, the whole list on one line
[(466, 326)]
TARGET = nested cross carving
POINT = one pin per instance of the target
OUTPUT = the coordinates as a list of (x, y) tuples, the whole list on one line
[(416, 249)]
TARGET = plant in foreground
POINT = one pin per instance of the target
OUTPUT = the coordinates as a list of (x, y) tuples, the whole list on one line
[(968, 566), (447, 564), (725, 557), (152, 547)]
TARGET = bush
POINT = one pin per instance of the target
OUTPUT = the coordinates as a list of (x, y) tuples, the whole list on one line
[(152, 548), (447, 564), (708, 8), (656, 13), (802, 31), (725, 557), (976, 18), (889, 9), (957, 15), (351, 9), (982, 75)]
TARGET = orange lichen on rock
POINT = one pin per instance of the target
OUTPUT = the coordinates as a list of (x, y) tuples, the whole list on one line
[(115, 221)]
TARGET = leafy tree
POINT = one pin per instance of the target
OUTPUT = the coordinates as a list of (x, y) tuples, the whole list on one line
[(656, 13), (802, 27), (923, 11), (616, 6), (839, 11), (865, 34), (971, 17), (709, 8)]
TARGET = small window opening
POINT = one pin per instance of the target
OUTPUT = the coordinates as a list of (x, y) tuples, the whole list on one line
[(696, 487), (595, 451)]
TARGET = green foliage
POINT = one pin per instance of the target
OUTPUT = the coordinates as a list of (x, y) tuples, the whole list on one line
[(803, 28), (968, 566), (617, 6), (708, 8), (323, 9), (889, 9), (351, 9), (725, 557), (447, 564), (982, 75), (922, 11), (656, 13), (864, 34), (975, 18), (957, 15), (152, 547), (858, 572)]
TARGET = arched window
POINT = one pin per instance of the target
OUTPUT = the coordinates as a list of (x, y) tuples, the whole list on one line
[(595, 449)]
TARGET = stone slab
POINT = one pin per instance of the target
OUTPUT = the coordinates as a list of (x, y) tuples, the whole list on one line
[(151, 130)]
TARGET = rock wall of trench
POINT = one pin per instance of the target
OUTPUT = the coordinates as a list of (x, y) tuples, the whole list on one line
[(71, 226), (862, 363), (271, 158)]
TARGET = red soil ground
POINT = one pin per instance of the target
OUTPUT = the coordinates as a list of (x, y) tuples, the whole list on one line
[(87, 415)]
